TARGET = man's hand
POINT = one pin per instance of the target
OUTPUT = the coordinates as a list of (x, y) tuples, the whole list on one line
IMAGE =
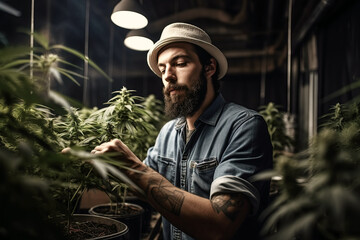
[(117, 146)]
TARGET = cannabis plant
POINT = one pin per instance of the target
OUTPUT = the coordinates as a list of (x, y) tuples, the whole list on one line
[(276, 128), (340, 115), (78, 128), (131, 119), (48, 64), (36, 179), (155, 117), (320, 193), (30, 159)]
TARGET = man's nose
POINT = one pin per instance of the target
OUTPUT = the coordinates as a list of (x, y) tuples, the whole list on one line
[(169, 75)]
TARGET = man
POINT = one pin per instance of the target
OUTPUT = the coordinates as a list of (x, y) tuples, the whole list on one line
[(197, 173)]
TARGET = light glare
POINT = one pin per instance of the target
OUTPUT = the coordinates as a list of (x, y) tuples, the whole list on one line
[(129, 19), (138, 43)]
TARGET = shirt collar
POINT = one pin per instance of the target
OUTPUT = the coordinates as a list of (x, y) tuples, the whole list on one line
[(212, 113), (180, 123), (209, 116)]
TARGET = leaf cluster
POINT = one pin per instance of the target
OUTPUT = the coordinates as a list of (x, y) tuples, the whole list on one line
[(320, 188), (276, 128), (133, 119)]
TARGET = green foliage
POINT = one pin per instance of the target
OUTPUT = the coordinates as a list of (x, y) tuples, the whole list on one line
[(340, 115), (52, 181), (37, 181), (133, 119), (78, 128), (156, 117), (320, 190), (15, 83), (30, 158), (48, 63), (125, 118), (276, 128)]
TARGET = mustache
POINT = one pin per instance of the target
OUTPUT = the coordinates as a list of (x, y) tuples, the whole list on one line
[(172, 87)]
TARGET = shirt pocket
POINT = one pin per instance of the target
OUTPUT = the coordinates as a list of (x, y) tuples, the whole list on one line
[(166, 167), (202, 173)]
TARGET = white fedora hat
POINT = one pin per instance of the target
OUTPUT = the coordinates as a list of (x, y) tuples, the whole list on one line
[(183, 32)]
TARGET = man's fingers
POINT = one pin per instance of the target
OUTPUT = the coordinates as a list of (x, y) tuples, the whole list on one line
[(115, 145), (66, 150), (99, 148), (105, 147)]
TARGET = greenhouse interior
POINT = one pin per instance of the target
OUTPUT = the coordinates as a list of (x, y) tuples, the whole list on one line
[(191, 119)]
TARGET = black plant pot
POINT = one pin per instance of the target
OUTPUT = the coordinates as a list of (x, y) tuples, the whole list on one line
[(132, 218), (147, 215)]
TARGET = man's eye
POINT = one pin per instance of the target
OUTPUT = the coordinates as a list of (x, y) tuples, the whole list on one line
[(181, 64)]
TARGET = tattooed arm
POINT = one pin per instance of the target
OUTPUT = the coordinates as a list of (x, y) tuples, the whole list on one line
[(201, 218), (194, 215)]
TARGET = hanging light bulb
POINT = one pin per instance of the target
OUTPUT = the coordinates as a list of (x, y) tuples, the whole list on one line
[(138, 40), (129, 14)]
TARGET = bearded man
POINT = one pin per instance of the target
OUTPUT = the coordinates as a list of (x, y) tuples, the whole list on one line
[(197, 174)]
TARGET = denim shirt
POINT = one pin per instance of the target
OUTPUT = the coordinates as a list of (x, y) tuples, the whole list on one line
[(230, 144)]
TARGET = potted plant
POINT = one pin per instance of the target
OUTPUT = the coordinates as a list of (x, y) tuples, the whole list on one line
[(47, 180), (135, 120), (30, 151), (129, 213)]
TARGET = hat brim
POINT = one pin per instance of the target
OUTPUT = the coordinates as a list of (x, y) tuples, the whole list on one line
[(152, 56)]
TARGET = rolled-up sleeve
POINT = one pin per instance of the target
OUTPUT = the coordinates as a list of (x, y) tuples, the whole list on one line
[(231, 184), (247, 153)]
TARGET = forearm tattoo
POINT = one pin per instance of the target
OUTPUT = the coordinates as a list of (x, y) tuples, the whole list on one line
[(166, 195), (230, 205), (141, 170)]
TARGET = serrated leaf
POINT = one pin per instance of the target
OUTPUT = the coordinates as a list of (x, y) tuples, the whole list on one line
[(83, 57)]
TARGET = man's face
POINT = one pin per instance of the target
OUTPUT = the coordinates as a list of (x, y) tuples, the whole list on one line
[(185, 86)]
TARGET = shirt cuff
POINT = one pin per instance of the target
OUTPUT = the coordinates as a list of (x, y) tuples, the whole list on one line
[(233, 184)]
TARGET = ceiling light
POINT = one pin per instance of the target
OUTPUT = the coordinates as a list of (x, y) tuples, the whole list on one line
[(138, 40), (129, 14)]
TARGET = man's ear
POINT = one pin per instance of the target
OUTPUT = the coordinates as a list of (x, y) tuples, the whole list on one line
[(210, 69)]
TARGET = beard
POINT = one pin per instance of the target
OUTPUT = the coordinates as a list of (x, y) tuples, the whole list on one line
[(185, 105)]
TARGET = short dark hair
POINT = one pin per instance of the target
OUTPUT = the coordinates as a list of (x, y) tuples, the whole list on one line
[(205, 60)]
